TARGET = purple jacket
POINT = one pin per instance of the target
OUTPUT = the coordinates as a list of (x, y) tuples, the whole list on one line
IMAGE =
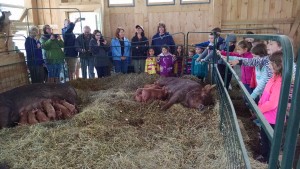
[(165, 63)]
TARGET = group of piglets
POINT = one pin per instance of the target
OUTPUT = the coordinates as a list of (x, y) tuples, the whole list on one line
[(34, 103), (48, 110)]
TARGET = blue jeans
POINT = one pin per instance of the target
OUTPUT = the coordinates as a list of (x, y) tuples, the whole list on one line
[(121, 66), (54, 70), (90, 63)]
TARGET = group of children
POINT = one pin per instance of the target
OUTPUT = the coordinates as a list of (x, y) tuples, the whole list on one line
[(261, 74), (167, 64)]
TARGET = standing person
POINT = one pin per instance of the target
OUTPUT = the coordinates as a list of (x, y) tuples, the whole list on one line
[(188, 62), (268, 103), (165, 61), (162, 38), (199, 69), (55, 57), (34, 56), (220, 40), (69, 43), (178, 66), (139, 49), (151, 65), (120, 48), (243, 51), (46, 36), (99, 50), (209, 54), (86, 58)]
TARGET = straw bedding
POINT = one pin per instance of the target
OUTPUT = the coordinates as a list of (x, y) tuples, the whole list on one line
[(114, 131)]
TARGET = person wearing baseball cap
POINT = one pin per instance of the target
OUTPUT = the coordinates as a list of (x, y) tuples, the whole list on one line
[(140, 46)]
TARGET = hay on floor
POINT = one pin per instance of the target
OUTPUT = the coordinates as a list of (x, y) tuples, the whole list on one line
[(114, 131)]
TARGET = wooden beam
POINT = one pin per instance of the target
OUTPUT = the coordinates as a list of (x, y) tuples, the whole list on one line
[(24, 13), (11, 6), (295, 25), (259, 22)]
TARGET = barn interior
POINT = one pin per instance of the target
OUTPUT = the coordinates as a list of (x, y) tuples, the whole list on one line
[(111, 128)]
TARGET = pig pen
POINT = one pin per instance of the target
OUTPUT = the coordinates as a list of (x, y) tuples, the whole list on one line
[(114, 131)]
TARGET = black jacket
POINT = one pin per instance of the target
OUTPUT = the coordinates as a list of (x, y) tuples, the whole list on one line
[(139, 47)]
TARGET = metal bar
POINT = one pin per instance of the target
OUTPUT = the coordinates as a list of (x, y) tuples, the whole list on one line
[(259, 28), (293, 123), (283, 100)]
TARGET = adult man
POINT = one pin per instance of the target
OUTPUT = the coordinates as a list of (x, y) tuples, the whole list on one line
[(69, 49), (85, 55)]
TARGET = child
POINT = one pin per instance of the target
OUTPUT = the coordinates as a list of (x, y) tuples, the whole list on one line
[(165, 61), (199, 69), (188, 62), (179, 61), (151, 65), (269, 101), (272, 47), (54, 56), (243, 51)]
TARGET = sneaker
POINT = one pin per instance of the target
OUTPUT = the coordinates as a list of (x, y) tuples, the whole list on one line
[(261, 159)]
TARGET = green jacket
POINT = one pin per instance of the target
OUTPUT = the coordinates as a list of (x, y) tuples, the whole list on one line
[(54, 54)]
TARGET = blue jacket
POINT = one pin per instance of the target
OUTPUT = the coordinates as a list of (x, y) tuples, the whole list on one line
[(159, 41), (205, 44), (33, 54), (69, 40), (116, 49)]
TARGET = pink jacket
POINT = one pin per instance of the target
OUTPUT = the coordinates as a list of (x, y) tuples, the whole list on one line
[(269, 100), (246, 71)]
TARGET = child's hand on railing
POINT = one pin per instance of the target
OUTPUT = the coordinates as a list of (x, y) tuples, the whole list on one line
[(224, 57), (234, 62)]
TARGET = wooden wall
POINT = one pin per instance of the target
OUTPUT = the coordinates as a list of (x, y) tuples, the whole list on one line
[(178, 18), (283, 15)]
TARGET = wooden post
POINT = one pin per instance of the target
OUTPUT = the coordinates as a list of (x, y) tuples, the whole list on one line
[(217, 13)]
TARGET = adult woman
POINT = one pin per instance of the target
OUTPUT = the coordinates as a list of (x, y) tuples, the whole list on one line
[(139, 49), (162, 38), (120, 48), (34, 56), (99, 49)]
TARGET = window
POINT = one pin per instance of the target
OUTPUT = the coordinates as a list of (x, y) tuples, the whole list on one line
[(194, 1), (116, 3), (16, 8), (160, 2)]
